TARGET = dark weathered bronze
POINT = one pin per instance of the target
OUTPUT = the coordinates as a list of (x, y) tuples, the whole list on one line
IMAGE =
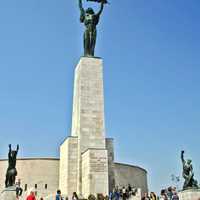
[(99, 1), (90, 20), (11, 171), (188, 173)]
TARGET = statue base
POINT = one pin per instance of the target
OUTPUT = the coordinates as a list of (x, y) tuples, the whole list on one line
[(190, 194), (8, 194)]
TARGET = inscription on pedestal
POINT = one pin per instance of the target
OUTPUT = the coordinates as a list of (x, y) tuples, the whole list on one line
[(98, 164), (95, 171)]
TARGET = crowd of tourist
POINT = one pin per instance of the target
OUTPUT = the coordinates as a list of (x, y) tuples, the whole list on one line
[(165, 194), (123, 193), (169, 194)]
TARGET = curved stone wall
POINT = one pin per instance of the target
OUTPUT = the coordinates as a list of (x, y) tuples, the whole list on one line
[(42, 175), (128, 174)]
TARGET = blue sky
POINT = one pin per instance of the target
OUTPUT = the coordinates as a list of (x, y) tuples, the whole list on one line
[(151, 77)]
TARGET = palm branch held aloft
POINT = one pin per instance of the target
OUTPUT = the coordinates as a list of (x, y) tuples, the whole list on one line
[(90, 20), (99, 1)]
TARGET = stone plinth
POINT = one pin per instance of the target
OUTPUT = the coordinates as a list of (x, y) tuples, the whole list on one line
[(88, 110), (8, 194), (95, 172), (192, 194)]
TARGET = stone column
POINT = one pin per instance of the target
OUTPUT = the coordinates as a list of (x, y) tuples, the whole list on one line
[(88, 110), (8, 193)]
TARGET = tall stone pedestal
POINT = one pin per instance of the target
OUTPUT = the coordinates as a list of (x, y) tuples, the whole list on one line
[(192, 194), (84, 156), (8, 194)]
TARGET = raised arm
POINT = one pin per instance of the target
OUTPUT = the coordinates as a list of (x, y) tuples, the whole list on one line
[(101, 9), (80, 5), (17, 148), (9, 152), (10, 148), (82, 16), (182, 157)]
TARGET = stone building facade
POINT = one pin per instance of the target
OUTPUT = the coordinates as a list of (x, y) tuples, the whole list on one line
[(42, 175)]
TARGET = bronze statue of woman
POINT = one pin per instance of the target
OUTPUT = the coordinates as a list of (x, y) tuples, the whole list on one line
[(90, 20)]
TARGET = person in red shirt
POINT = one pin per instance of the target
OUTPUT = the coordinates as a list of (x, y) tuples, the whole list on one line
[(31, 196)]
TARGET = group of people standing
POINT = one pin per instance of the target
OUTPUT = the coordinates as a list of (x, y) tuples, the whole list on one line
[(152, 196), (169, 194), (59, 196), (123, 193), (166, 194)]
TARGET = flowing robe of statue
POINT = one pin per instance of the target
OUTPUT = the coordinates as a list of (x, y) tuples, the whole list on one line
[(90, 20), (11, 171), (188, 174)]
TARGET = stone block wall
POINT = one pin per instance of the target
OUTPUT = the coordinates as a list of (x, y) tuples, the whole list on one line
[(68, 166), (128, 174), (95, 172), (38, 174), (111, 166), (45, 171)]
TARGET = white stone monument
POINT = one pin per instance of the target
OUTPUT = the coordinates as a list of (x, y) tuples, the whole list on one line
[(192, 194), (84, 156), (8, 194)]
